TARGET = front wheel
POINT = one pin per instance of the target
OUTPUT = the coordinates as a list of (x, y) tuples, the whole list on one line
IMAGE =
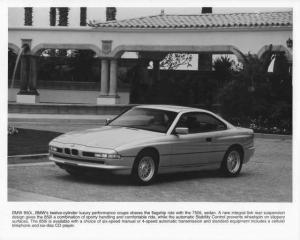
[(232, 162), (144, 169)]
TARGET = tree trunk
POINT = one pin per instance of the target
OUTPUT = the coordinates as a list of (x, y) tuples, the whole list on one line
[(28, 16), (52, 16), (63, 16), (83, 16), (206, 10), (111, 13)]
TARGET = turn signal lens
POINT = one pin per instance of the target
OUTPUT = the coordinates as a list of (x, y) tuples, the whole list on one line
[(101, 155), (52, 148), (105, 155), (113, 156)]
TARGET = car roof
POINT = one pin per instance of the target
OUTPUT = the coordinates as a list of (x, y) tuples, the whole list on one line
[(183, 109), (173, 108)]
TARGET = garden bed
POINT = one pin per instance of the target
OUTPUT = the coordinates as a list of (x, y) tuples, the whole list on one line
[(266, 126), (29, 141)]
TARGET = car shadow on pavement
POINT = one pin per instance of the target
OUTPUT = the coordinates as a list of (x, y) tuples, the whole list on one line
[(111, 179), (183, 176), (193, 175), (99, 178)]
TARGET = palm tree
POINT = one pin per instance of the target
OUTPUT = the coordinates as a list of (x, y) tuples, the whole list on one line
[(83, 16), (111, 13), (28, 16), (206, 10), (63, 16), (52, 16)]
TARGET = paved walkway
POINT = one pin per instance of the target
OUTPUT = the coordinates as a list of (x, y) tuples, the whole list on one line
[(266, 178), (15, 195)]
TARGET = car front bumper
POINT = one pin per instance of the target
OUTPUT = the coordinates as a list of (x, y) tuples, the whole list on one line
[(122, 165)]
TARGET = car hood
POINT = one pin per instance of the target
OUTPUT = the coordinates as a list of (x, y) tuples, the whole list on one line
[(106, 137)]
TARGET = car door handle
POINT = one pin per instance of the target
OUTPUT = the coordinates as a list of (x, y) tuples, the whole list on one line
[(209, 139)]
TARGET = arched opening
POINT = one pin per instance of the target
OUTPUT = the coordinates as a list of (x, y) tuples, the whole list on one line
[(12, 57), (278, 64), (15, 56), (171, 74), (13, 47), (42, 46), (270, 54), (67, 68)]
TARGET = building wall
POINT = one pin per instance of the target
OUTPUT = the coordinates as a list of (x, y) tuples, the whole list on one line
[(246, 41)]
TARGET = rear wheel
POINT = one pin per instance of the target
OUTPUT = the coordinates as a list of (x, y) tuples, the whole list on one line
[(232, 162), (145, 168)]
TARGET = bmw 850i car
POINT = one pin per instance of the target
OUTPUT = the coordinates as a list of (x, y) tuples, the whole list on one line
[(148, 140)]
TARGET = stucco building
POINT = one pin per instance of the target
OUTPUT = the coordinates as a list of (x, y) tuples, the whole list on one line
[(152, 37)]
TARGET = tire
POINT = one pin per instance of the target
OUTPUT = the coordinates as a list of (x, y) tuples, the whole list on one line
[(232, 162), (144, 168)]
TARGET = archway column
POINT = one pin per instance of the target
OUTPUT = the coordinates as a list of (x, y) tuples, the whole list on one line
[(104, 77), (113, 77), (28, 75), (28, 80), (24, 69), (109, 69)]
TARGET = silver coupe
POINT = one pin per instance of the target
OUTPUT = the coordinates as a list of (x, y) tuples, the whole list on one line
[(151, 139)]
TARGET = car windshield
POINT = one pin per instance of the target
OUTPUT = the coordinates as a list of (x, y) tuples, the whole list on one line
[(145, 118)]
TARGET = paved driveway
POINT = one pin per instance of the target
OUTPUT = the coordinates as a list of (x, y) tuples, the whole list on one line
[(266, 178)]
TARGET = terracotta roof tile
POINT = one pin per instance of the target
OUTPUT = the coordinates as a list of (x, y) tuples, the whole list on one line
[(235, 20)]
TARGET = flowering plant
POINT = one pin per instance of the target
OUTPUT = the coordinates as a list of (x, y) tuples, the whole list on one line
[(12, 130)]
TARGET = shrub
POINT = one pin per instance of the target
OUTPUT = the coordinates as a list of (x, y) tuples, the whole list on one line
[(12, 130), (257, 99)]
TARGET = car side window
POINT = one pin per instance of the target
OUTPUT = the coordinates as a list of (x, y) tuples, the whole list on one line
[(198, 122)]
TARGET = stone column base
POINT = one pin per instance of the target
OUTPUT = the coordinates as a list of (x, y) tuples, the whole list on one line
[(26, 98), (108, 100)]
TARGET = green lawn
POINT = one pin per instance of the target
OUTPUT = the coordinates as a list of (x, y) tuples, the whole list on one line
[(29, 141)]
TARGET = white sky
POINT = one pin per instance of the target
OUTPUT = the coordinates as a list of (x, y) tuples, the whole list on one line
[(41, 15)]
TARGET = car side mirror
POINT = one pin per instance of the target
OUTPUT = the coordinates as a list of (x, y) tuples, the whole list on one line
[(181, 130), (107, 121)]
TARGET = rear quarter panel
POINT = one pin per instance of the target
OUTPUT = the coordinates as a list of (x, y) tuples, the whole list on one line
[(237, 136)]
